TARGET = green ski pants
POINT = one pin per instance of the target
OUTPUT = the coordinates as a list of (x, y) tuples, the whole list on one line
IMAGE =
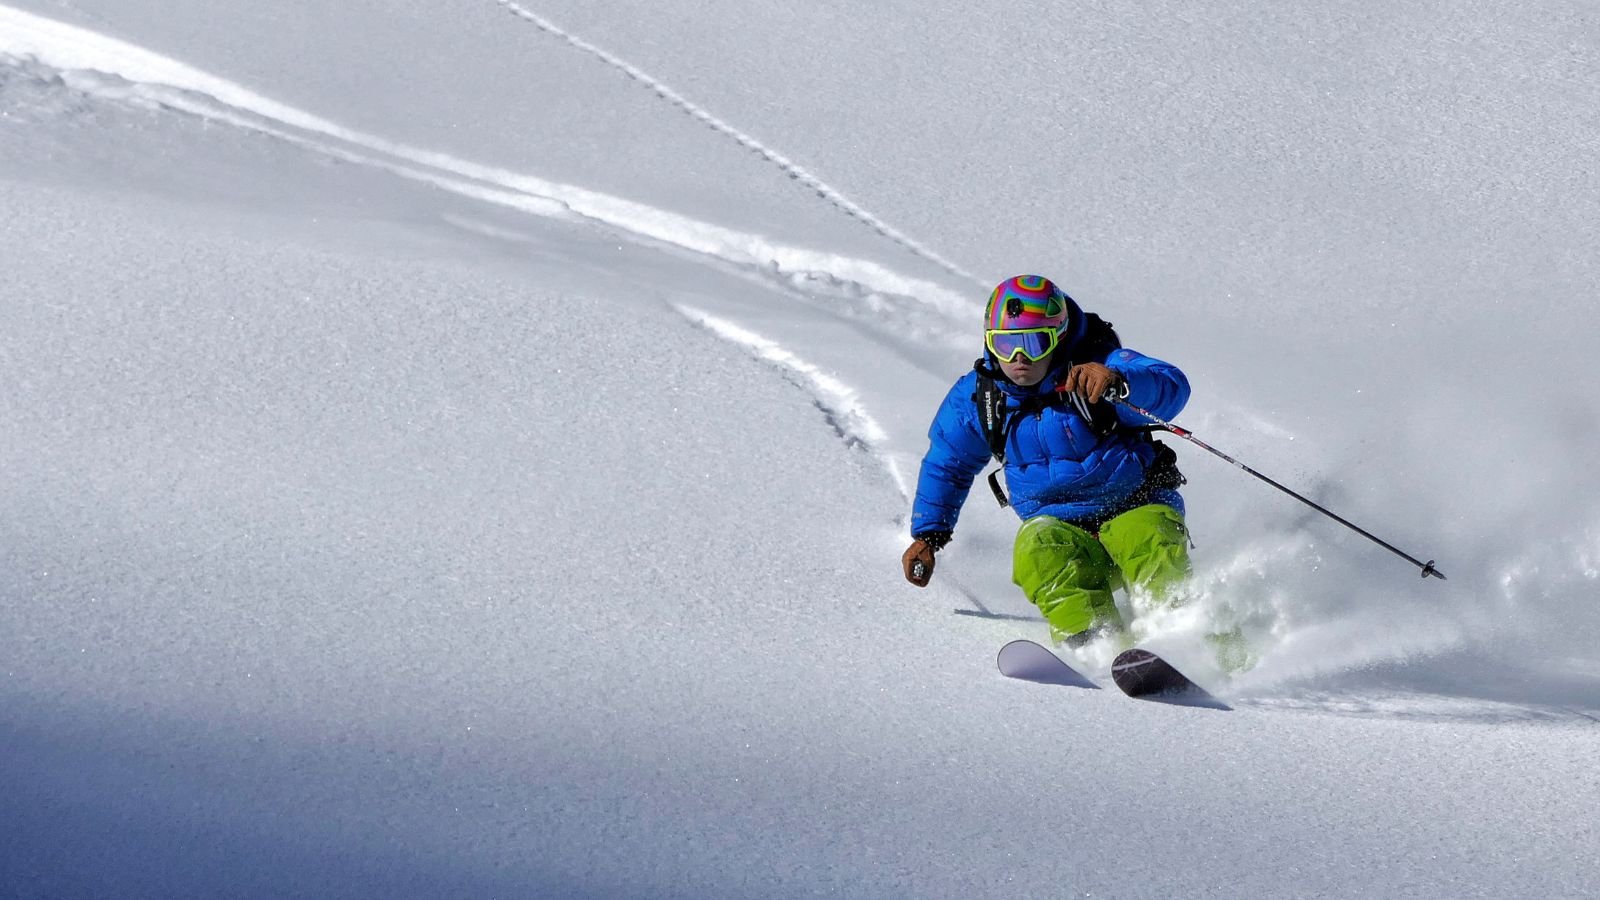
[(1070, 574)]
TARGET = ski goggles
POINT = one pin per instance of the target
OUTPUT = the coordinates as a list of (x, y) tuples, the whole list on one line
[(1033, 343)]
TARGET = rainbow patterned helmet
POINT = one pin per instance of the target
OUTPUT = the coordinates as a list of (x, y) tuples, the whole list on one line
[(1026, 314)]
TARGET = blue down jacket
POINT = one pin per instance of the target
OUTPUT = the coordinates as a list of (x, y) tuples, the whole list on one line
[(1056, 464)]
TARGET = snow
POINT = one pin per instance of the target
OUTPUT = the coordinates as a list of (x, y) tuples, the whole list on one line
[(470, 455)]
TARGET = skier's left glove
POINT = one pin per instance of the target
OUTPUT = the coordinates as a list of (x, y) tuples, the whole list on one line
[(1092, 381), (918, 558)]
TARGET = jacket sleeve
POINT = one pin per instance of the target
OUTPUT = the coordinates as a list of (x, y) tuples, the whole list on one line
[(1160, 387), (957, 452)]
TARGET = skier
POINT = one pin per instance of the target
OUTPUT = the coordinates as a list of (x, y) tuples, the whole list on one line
[(1097, 497)]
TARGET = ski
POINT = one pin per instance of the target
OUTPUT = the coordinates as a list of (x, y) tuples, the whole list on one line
[(1029, 661), (1140, 673)]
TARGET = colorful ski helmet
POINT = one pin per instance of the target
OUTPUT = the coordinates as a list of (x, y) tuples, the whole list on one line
[(1026, 314)]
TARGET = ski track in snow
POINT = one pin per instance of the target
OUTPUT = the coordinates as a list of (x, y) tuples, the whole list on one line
[(115, 70), (699, 114), (839, 402)]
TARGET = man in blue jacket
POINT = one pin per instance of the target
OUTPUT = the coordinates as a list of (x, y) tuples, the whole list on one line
[(1098, 498)]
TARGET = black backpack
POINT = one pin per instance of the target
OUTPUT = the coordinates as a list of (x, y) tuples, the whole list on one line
[(1098, 341)]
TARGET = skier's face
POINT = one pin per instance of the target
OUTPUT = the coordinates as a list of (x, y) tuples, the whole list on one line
[(1024, 371)]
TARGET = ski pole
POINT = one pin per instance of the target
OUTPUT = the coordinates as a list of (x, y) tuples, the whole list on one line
[(1427, 567)]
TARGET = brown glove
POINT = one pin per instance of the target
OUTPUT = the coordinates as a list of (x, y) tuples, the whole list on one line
[(918, 558), (1091, 381)]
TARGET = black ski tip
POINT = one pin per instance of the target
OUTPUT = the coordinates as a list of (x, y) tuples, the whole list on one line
[(1029, 661), (1140, 673), (1430, 571)]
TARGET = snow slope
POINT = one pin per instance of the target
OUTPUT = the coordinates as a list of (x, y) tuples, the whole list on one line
[(470, 456)]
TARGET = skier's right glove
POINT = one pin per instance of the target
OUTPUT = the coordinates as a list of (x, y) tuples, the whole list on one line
[(918, 558)]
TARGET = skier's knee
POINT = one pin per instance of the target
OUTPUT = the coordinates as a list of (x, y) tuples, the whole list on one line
[(1150, 546)]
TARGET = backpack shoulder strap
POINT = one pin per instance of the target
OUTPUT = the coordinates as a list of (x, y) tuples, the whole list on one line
[(992, 414), (994, 419)]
